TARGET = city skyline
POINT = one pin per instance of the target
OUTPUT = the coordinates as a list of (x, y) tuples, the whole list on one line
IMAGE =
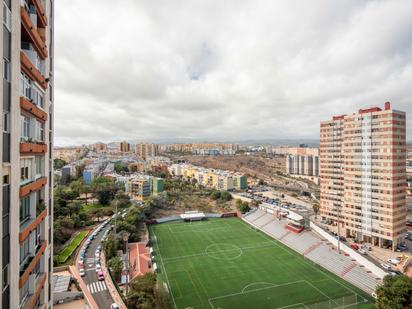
[(236, 73)]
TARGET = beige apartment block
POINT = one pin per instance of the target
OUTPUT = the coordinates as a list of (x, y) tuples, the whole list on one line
[(26, 253), (363, 175)]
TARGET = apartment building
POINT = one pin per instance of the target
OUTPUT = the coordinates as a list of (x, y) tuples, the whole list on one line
[(210, 178), (306, 165), (363, 175), (146, 150), (27, 141), (124, 147), (141, 186)]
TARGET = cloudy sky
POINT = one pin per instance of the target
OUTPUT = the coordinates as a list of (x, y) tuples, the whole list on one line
[(225, 70)]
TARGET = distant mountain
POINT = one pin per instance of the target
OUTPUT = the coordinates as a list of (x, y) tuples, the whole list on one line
[(290, 142)]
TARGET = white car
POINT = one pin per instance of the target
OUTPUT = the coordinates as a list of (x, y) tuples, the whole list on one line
[(393, 261), (386, 266), (362, 251), (98, 268), (374, 295), (114, 306), (82, 272)]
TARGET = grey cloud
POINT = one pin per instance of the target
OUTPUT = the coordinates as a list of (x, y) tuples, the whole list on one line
[(225, 69)]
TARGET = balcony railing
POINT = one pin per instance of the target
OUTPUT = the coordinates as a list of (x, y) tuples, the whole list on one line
[(33, 33), (31, 147), (31, 299), (40, 10), (33, 109), (33, 186), (28, 267), (31, 225), (30, 70)]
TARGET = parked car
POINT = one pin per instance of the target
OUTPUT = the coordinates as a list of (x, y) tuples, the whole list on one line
[(386, 266), (374, 295), (114, 306), (100, 276), (393, 261), (362, 251), (354, 246), (82, 272), (99, 247)]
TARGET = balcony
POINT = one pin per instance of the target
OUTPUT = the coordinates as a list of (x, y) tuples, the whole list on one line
[(41, 15), (32, 108), (32, 299), (31, 225), (33, 33), (32, 186), (31, 71), (28, 147), (30, 264)]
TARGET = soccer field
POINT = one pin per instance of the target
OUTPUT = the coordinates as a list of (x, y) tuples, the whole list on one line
[(224, 263)]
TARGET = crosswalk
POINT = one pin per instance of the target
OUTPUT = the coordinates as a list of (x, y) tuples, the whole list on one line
[(96, 287)]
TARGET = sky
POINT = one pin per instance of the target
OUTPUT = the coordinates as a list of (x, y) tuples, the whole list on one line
[(225, 70)]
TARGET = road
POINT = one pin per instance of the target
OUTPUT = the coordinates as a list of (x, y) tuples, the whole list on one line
[(97, 288)]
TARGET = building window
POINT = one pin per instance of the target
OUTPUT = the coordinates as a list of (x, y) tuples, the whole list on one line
[(6, 122), (40, 131), (38, 97), (25, 127), (38, 236), (24, 209), (6, 16), (24, 291), (39, 166), (25, 170), (24, 250), (25, 86), (6, 69)]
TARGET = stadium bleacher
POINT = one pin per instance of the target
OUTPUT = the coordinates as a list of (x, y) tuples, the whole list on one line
[(314, 248)]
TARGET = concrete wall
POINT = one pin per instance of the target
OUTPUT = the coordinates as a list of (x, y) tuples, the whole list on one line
[(377, 271)]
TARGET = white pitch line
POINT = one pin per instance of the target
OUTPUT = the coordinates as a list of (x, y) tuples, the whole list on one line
[(164, 268)]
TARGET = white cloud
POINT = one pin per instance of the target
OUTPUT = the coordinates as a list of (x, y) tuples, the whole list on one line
[(225, 69)]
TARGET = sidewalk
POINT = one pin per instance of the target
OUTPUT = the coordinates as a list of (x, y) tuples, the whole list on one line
[(110, 285), (87, 295)]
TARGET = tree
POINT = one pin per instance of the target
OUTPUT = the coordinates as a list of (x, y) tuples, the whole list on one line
[(394, 293), (225, 196), (121, 167), (98, 213), (86, 189), (105, 189), (215, 195), (59, 163), (243, 207), (110, 247), (116, 266), (142, 292), (315, 209)]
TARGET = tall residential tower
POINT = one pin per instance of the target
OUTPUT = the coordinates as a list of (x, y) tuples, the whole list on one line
[(363, 175), (26, 253)]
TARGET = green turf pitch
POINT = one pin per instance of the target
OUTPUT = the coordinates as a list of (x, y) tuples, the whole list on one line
[(224, 263)]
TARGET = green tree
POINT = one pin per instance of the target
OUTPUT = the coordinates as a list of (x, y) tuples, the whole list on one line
[(142, 292), (116, 266), (121, 167), (394, 293), (225, 196), (243, 207), (215, 195), (105, 189), (58, 163), (110, 247)]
